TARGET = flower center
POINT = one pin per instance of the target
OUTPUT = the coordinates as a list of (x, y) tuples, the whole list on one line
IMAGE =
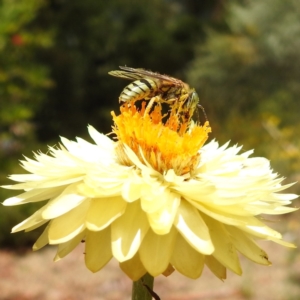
[(165, 141)]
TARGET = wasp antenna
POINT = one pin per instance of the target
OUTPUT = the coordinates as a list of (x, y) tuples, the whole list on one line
[(203, 110)]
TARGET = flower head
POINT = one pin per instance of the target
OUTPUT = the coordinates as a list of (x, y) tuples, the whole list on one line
[(155, 199)]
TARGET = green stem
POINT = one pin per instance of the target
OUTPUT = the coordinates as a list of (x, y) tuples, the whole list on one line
[(139, 289)]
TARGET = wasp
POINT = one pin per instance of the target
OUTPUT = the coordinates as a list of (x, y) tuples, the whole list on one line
[(147, 84)]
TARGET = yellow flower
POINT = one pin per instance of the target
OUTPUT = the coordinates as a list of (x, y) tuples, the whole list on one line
[(155, 199)]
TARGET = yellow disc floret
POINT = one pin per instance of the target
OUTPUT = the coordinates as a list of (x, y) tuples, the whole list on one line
[(165, 145)]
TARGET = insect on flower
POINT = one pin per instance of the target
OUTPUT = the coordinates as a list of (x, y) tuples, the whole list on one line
[(166, 89)]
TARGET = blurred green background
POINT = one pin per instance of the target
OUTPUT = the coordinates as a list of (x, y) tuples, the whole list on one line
[(243, 58)]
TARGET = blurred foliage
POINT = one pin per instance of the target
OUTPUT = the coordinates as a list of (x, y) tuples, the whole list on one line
[(23, 82), (241, 56), (247, 75), (23, 79)]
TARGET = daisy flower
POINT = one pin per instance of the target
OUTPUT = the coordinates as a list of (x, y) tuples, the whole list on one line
[(154, 197)]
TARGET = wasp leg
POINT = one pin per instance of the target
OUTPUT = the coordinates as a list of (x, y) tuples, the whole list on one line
[(150, 104), (169, 101), (179, 105)]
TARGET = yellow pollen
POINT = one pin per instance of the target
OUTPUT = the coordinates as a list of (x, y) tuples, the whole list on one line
[(165, 145)]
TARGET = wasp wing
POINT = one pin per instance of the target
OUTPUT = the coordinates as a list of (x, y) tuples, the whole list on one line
[(133, 74), (126, 75)]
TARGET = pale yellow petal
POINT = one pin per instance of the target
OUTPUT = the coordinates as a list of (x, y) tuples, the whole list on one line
[(155, 197), (146, 169), (134, 159), (221, 216), (65, 248), (21, 178), (196, 189), (247, 246), (186, 259), (156, 250), (171, 177), (281, 242), (259, 229), (285, 197), (97, 249), (34, 195), (216, 267), (270, 209), (47, 183), (249, 224), (67, 226), (128, 231), (103, 211), (37, 225), (161, 221), (225, 251), (133, 268), (102, 140), (42, 241), (66, 201), (131, 191), (76, 152), (237, 210), (35, 220), (192, 227), (90, 190)]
